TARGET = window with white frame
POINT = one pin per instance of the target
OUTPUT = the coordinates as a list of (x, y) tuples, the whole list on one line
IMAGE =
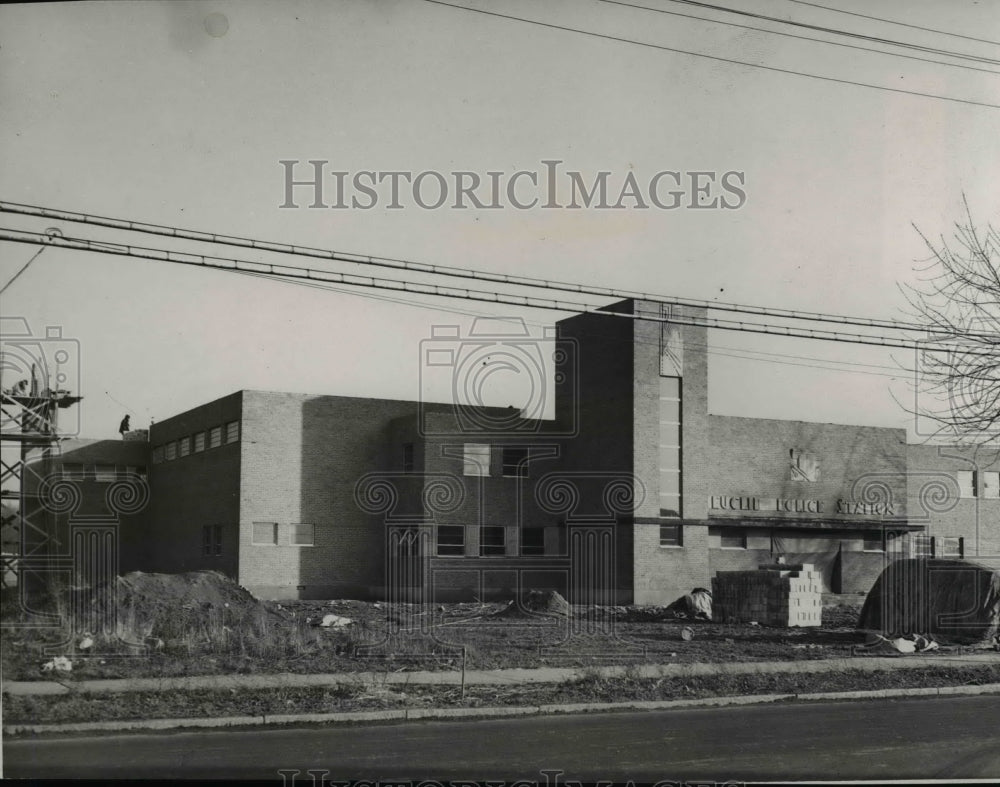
[(232, 432), (671, 536), (265, 534), (991, 485), (966, 483), (476, 459), (450, 540), (303, 534), (951, 546)]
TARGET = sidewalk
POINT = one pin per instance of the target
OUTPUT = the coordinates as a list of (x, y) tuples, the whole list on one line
[(493, 677)]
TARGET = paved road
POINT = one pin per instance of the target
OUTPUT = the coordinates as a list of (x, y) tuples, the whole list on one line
[(946, 738)]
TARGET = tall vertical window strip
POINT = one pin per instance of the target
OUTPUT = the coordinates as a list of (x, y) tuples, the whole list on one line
[(232, 431), (670, 446)]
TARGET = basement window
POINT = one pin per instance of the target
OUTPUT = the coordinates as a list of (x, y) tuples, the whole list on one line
[(671, 536), (492, 540), (265, 534), (450, 540)]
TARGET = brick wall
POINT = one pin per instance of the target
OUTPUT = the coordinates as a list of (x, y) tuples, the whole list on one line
[(194, 491)]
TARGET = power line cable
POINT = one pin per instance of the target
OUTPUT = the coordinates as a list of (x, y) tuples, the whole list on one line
[(447, 271), (801, 38), (308, 274), (835, 31), (22, 270), (716, 58), (894, 22)]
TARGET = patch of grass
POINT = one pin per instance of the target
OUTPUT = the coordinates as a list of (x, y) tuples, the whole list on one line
[(378, 694)]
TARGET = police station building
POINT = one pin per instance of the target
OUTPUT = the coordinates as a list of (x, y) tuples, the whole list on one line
[(633, 493)]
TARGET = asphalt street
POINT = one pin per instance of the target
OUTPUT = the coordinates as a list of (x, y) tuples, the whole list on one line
[(925, 738)]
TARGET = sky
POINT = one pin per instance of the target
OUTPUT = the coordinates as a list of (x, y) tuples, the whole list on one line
[(180, 114)]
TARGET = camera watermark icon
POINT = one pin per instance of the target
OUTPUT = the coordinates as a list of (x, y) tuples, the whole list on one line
[(38, 374), (498, 359)]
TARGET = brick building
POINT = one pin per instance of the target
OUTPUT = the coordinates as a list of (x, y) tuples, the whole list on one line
[(634, 492)]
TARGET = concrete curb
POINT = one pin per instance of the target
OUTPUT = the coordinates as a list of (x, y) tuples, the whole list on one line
[(413, 714), (493, 677)]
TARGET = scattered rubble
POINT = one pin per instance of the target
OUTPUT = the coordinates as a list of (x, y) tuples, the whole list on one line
[(58, 664)]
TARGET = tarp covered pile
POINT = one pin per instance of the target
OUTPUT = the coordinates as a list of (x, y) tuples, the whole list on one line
[(950, 601)]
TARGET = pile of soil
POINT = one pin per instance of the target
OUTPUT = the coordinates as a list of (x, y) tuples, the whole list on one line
[(547, 603)]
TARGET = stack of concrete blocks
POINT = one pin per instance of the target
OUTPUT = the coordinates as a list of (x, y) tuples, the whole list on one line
[(775, 595)]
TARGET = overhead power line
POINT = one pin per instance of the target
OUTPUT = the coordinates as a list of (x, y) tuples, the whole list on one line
[(674, 50), (894, 22), (309, 274), (444, 270), (835, 31), (799, 37)]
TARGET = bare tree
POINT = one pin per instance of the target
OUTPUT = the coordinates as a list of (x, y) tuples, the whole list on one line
[(957, 301)]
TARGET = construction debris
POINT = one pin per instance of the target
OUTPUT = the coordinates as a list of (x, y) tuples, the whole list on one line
[(776, 595), (58, 664)]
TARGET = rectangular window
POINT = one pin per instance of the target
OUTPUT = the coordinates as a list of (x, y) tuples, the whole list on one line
[(734, 539), (303, 535), (211, 540), (265, 534), (492, 540), (874, 541), (408, 460), (670, 447), (451, 540), (671, 536), (991, 485), (105, 473), (184, 446), (952, 546), (72, 472), (514, 462), (199, 442), (215, 437), (476, 459), (133, 471), (966, 483), (171, 451), (533, 541), (921, 545), (232, 432), (158, 455)]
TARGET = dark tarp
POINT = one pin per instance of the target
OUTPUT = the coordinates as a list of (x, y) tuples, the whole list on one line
[(949, 600)]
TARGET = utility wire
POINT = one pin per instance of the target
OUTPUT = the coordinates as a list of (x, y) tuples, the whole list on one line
[(835, 31), (449, 271), (894, 22), (661, 47), (308, 274), (22, 270), (801, 38)]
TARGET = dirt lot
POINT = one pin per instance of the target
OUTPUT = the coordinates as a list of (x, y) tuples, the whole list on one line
[(202, 623)]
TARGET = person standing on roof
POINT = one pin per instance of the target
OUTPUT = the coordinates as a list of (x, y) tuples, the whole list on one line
[(123, 427)]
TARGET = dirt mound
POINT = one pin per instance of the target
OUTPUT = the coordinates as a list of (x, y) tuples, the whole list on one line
[(547, 603), (155, 604)]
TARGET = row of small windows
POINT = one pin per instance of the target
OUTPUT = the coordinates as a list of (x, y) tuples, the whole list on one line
[(101, 473), (196, 443), (492, 541), (272, 534), (978, 484)]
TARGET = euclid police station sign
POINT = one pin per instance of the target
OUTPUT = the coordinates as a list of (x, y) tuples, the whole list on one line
[(796, 506)]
